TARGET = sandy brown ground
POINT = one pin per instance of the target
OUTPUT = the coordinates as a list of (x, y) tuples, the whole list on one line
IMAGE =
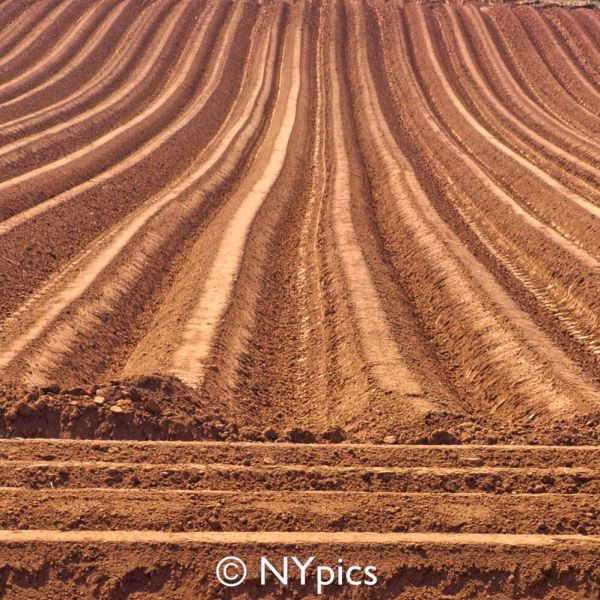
[(315, 276)]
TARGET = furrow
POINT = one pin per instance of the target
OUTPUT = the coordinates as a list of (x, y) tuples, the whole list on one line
[(416, 214), (382, 355), (51, 65), (33, 22), (587, 29), (554, 158), (25, 117), (584, 60), (82, 274), (108, 199), (254, 345), (586, 145), (139, 95), (542, 175), (310, 366), (230, 158), (532, 62), (266, 362), (215, 476), (16, 17), (91, 53), (118, 145), (265, 454), (189, 361), (117, 509), (34, 46), (544, 287)]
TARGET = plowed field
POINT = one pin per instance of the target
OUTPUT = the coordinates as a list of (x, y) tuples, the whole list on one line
[(299, 278)]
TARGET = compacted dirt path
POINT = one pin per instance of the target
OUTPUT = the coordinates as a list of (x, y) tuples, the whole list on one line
[(299, 277)]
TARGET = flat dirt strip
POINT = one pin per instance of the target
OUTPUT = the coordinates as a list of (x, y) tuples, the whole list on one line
[(299, 278)]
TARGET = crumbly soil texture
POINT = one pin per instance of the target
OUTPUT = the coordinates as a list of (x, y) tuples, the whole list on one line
[(299, 278), (164, 408)]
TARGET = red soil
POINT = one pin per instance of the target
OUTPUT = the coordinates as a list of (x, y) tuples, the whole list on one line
[(312, 277)]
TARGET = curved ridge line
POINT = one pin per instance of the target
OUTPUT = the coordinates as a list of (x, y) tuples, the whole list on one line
[(566, 59), (507, 78), (141, 152), (543, 297), (84, 52), (63, 337), (381, 351), (172, 87), (45, 66), (591, 208), (434, 232), (107, 103), (200, 330), (120, 238), (32, 35), (131, 37)]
